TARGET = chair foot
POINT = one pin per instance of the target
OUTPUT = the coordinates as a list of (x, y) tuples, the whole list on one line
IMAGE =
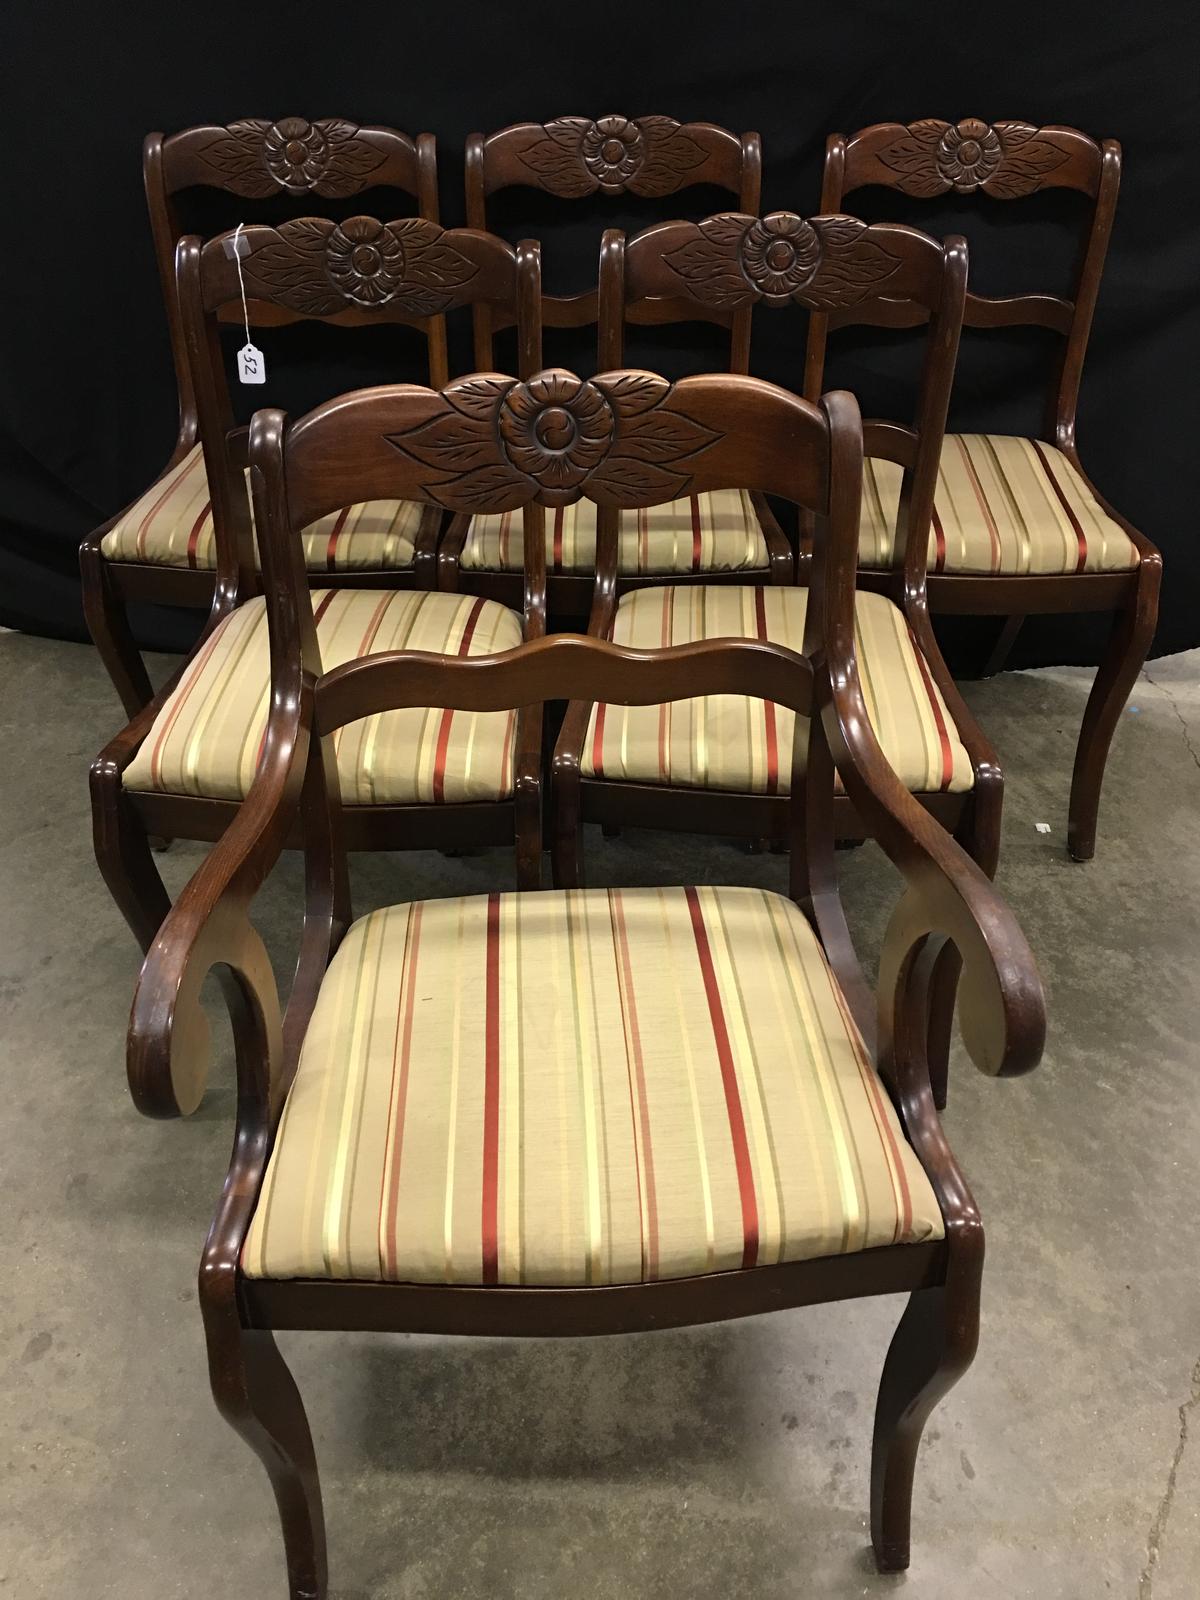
[(257, 1396), (930, 1350), (610, 830), (1132, 633), (158, 844)]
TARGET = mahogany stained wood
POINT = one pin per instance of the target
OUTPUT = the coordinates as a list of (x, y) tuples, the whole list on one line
[(312, 269), (393, 442), (1008, 161), (255, 159)]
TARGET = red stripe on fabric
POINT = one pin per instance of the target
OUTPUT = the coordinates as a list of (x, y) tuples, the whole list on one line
[(202, 661), (694, 499), (733, 1103), (398, 1096), (768, 706), (874, 1090), (194, 536), (172, 485), (559, 513), (939, 720), (317, 615), (981, 498), (489, 1222), (939, 540), (335, 535), (443, 738), (639, 1109), (1080, 536), (598, 742)]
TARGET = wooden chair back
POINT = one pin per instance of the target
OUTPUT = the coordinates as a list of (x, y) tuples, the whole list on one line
[(623, 439), (572, 158), (1007, 161), (355, 272), (843, 271), (256, 159)]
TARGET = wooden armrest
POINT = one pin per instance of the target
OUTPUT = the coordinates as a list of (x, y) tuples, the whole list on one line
[(1001, 1006), (209, 928)]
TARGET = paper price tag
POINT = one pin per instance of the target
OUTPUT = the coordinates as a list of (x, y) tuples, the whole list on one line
[(252, 367)]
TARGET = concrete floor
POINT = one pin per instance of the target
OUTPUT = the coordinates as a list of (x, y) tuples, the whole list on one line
[(720, 1462)]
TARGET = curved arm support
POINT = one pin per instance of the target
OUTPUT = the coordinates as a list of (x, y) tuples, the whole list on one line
[(1002, 1009)]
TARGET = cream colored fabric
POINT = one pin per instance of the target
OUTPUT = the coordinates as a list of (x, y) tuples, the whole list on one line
[(1003, 505), (208, 737), (729, 742), (172, 526), (713, 532), (582, 1087)]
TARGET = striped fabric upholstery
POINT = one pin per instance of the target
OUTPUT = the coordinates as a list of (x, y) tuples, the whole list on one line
[(172, 526), (711, 532), (582, 1087), (208, 736), (730, 742), (1003, 505)]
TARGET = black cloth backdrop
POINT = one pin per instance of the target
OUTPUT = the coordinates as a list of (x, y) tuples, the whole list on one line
[(87, 409)]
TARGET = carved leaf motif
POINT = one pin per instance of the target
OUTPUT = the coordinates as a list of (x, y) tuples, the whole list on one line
[(852, 267), (913, 157), (430, 263), (237, 156), (292, 268), (629, 483), (710, 262), (1021, 173), (462, 447), (635, 392), (555, 155), (670, 155), (350, 160)]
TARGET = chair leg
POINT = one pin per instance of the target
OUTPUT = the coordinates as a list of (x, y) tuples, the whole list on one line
[(932, 1347), (257, 1396), (124, 856), (567, 828), (108, 624), (1002, 648), (1132, 633)]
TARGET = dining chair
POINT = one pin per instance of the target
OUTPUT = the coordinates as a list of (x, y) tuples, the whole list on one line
[(182, 765), (572, 158), (161, 548), (1018, 528), (721, 765), (575, 1112)]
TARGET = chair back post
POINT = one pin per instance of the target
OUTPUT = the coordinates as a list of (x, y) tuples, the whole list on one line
[(610, 354), (919, 486), (1064, 400), (165, 231), (237, 572)]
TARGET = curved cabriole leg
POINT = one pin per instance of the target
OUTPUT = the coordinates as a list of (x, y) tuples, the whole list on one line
[(1132, 633), (931, 1349), (257, 1396), (108, 625), (124, 856)]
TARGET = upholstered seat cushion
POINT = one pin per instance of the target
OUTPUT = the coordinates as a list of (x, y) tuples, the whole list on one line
[(172, 526), (1003, 505), (729, 742), (712, 532), (582, 1087), (208, 736)]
